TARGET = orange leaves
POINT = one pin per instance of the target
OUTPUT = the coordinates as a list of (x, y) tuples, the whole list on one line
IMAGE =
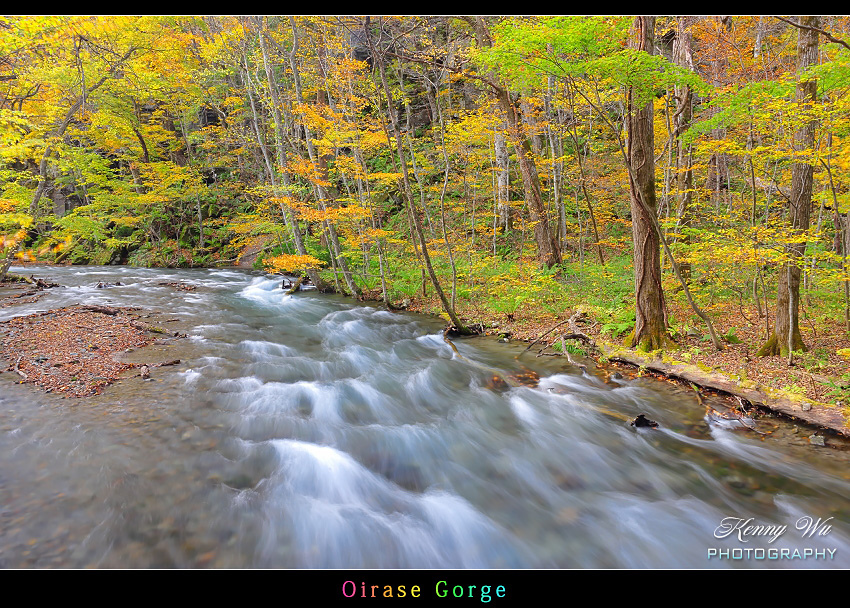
[(284, 201), (372, 140), (10, 240), (313, 118), (306, 169), (349, 166)]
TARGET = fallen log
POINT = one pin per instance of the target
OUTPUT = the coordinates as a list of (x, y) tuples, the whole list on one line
[(38, 283), (42, 284), (798, 407), (295, 286)]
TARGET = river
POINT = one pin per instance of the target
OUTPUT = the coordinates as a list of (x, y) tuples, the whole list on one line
[(309, 431)]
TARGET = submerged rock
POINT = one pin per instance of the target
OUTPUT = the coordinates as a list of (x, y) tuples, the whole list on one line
[(643, 421)]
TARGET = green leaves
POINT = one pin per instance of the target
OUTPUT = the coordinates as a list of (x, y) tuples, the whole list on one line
[(525, 51), (757, 102)]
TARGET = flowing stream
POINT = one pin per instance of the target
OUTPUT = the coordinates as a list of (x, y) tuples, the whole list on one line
[(309, 431)]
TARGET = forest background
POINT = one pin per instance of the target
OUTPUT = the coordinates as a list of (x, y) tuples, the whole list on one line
[(674, 183)]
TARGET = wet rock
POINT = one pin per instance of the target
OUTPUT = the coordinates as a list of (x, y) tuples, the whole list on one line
[(818, 440), (736, 482), (642, 421)]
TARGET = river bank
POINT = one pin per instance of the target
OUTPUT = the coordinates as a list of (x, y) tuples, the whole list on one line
[(817, 398), (767, 383), (315, 432)]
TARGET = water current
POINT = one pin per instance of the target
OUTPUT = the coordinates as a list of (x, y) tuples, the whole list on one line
[(309, 431)]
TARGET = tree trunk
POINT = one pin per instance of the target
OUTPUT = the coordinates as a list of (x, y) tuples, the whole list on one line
[(650, 331), (322, 194), (573, 133), (786, 336), (502, 192), (548, 250), (287, 214), (684, 114), (409, 195)]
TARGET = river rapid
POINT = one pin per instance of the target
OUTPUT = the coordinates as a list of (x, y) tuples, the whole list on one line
[(309, 431)]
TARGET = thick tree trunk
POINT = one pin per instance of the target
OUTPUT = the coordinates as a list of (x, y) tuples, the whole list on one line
[(786, 337), (650, 331)]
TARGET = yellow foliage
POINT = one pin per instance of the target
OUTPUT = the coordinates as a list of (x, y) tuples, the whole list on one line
[(287, 262), (306, 169), (386, 179), (372, 140), (348, 165)]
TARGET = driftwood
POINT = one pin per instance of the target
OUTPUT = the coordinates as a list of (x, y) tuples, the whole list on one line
[(145, 370), (17, 278), (575, 332), (452, 344), (541, 336), (178, 285), (106, 310), (38, 283), (18, 371)]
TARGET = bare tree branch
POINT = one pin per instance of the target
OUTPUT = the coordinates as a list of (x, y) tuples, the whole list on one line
[(826, 34)]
